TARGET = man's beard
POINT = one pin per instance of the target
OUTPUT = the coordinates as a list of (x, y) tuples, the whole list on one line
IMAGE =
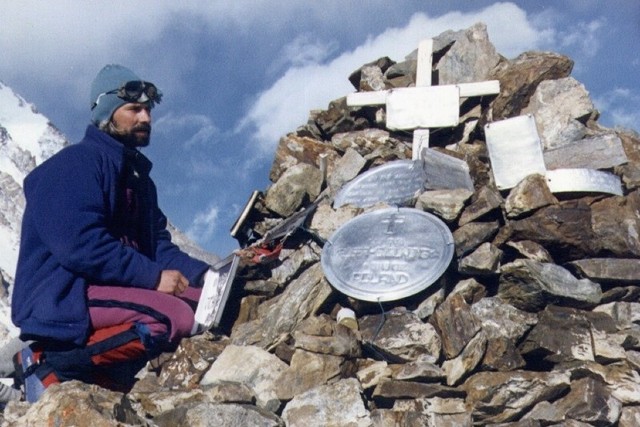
[(130, 138)]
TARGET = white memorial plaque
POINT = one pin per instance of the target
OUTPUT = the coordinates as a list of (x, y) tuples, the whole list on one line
[(583, 181), (387, 254), (215, 292), (515, 150), (423, 107), (394, 183)]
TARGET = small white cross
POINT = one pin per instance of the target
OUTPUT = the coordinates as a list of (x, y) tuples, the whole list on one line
[(424, 106)]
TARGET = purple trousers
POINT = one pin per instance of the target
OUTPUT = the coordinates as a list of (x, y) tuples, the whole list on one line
[(162, 314)]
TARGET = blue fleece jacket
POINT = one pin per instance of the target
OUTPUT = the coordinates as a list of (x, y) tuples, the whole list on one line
[(72, 236)]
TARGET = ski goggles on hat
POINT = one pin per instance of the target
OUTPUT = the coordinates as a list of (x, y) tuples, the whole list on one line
[(135, 91)]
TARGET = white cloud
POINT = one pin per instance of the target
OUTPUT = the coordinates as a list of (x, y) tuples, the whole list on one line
[(197, 128), (285, 105), (204, 225), (619, 107)]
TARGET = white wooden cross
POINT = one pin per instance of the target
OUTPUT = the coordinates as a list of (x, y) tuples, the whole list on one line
[(423, 107)]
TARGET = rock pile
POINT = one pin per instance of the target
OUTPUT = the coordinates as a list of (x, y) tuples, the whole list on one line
[(535, 322)]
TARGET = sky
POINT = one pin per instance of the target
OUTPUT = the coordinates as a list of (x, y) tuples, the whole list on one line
[(238, 75)]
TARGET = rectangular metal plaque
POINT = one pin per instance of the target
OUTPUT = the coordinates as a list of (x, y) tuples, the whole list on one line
[(583, 180), (515, 150), (215, 292), (423, 107), (444, 172)]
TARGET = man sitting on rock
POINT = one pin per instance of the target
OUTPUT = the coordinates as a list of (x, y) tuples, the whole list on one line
[(100, 288)]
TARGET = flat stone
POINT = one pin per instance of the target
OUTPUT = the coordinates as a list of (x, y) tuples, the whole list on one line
[(502, 396), (484, 261), (293, 149), (402, 334), (470, 236), (597, 152), (485, 200), (336, 404), (609, 270), (446, 204), (530, 285), (561, 107), (299, 183), (530, 194), (456, 324)]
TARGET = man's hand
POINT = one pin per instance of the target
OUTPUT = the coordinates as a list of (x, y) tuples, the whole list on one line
[(172, 282)]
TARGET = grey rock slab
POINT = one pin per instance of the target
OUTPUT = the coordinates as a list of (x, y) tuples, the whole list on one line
[(485, 200), (252, 366), (530, 194), (456, 325), (609, 270), (530, 285), (560, 108), (338, 404), (446, 204), (597, 152), (302, 298), (503, 396), (500, 319), (297, 184), (484, 261), (402, 334)]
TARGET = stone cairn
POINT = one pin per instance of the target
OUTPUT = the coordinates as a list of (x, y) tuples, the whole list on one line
[(535, 322)]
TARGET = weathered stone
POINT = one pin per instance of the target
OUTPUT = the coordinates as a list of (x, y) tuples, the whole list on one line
[(382, 63), (609, 270), (447, 204), (560, 107), (531, 250), (503, 396), (484, 261), (625, 314), (371, 374), (343, 342), (444, 412), (300, 299), (630, 175), (530, 285), (293, 149), (484, 201), (530, 194), (325, 220), (463, 364), (428, 306), (616, 225), (597, 152), (520, 77), (188, 364), (299, 183), (223, 415), (590, 401), (501, 354), (292, 261), (561, 335), (78, 404), (370, 141), (328, 405), (418, 371), (470, 236), (346, 169), (456, 325), (390, 417), (338, 118), (629, 416), (469, 59), (390, 390), (563, 229), (252, 366), (499, 319), (402, 334), (306, 371), (471, 290), (371, 78)]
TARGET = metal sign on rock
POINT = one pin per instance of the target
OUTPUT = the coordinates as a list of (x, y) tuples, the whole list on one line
[(394, 183), (387, 254)]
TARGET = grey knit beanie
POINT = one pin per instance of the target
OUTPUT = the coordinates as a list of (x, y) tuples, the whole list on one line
[(110, 78)]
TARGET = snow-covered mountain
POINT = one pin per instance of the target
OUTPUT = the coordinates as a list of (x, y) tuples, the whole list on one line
[(27, 138)]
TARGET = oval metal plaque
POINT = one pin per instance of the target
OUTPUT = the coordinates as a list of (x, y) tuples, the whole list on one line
[(387, 254), (395, 183)]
